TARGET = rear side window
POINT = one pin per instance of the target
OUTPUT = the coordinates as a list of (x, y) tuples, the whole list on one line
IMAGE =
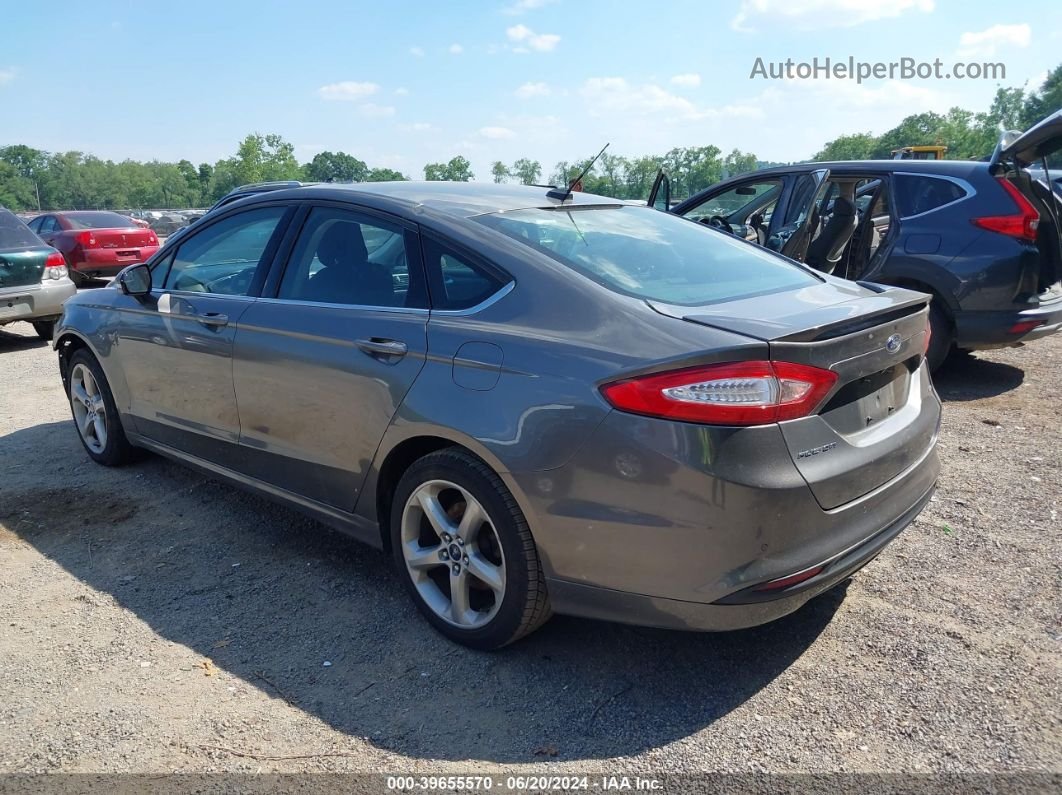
[(456, 281), (652, 255), (915, 194), (14, 233)]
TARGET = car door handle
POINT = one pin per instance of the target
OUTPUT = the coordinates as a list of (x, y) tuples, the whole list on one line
[(381, 347), (213, 319)]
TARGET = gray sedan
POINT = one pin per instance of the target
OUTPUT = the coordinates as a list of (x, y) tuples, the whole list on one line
[(535, 402)]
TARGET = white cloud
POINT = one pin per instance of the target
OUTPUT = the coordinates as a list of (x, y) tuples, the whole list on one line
[(497, 133), (348, 90), (402, 91), (616, 96), (374, 111), (527, 38), (987, 41), (416, 52), (7, 75), (816, 14), (528, 90), (523, 6), (689, 80), (417, 126), (456, 49)]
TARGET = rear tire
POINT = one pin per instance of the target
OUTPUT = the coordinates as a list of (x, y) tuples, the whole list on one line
[(943, 336), (78, 280), (45, 329), (465, 552), (96, 417)]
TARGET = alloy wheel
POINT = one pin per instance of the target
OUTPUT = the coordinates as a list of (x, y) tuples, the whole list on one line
[(90, 413), (452, 553)]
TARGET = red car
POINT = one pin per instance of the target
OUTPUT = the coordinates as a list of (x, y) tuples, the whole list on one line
[(95, 242)]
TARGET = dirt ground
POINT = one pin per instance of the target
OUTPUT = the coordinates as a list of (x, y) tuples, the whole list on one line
[(152, 620)]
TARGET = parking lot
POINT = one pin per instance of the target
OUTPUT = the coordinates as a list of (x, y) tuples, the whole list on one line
[(156, 621)]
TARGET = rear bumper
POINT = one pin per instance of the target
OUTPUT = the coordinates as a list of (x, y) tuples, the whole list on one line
[(36, 302), (984, 330), (106, 262), (663, 523), (738, 611)]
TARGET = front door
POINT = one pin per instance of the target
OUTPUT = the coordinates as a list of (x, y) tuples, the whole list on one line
[(321, 367), (175, 344)]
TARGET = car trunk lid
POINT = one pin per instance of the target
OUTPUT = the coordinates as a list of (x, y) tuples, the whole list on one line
[(874, 424), (22, 267), (132, 237)]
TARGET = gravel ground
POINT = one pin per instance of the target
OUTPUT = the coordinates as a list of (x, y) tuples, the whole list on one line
[(152, 620)]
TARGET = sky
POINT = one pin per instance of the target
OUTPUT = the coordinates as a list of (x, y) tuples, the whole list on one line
[(399, 84)]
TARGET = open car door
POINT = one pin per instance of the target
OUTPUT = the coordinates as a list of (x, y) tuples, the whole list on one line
[(801, 215), (660, 195), (1015, 153)]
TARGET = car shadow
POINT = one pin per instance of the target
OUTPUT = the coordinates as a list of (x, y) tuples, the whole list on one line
[(270, 596), (19, 342), (963, 377)]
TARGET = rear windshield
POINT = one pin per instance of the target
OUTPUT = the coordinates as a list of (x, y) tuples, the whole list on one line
[(15, 234), (98, 221), (650, 254)]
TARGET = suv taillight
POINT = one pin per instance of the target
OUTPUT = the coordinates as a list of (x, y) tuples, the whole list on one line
[(735, 393), (1022, 224)]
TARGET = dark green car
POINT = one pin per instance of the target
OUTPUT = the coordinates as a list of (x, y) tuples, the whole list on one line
[(33, 277)]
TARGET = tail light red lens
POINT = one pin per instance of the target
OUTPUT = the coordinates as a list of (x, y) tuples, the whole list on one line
[(735, 393), (55, 260), (1025, 326), (87, 239), (1022, 225), (792, 579)]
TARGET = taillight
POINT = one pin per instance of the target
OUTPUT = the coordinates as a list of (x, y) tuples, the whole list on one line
[(735, 393), (792, 579), (152, 240), (1025, 326), (55, 266), (87, 239), (1022, 225)]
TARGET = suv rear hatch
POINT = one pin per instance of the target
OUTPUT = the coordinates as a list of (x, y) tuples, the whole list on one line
[(1014, 154), (22, 254), (881, 416)]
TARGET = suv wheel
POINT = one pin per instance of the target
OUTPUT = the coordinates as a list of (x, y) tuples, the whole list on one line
[(466, 552), (942, 337)]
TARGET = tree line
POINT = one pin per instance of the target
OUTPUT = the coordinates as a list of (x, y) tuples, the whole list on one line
[(31, 178)]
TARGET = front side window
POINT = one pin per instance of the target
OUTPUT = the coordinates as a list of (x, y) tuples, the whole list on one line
[(223, 257), (342, 257), (740, 203), (651, 255)]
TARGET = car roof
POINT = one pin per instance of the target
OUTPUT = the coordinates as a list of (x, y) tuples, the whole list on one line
[(461, 199), (954, 168)]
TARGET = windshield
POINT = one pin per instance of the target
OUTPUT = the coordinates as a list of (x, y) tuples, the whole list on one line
[(650, 254), (98, 221), (15, 234)]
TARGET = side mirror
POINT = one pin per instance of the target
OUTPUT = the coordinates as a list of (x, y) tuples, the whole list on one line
[(135, 280)]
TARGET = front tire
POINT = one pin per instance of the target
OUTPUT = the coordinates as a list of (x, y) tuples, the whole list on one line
[(95, 414), (465, 551)]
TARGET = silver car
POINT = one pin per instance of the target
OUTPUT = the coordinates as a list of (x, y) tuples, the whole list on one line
[(535, 402)]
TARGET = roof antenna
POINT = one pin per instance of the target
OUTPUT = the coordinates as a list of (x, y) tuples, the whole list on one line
[(557, 193)]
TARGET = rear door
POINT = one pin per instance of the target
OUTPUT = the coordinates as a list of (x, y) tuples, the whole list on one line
[(323, 362), (175, 344)]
